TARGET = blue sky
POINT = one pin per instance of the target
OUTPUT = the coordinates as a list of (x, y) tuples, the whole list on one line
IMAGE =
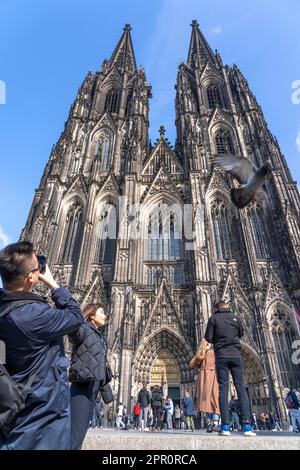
[(46, 49)]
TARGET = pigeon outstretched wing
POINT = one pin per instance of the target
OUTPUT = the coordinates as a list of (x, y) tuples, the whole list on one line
[(239, 167)]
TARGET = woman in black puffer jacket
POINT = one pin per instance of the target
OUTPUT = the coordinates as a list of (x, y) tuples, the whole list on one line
[(87, 372)]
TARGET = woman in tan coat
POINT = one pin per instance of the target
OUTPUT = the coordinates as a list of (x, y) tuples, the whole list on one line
[(207, 391)]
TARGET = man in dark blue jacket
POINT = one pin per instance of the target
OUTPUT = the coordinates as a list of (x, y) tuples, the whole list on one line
[(224, 330), (33, 335)]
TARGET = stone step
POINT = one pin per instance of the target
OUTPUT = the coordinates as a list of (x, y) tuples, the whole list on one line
[(182, 440)]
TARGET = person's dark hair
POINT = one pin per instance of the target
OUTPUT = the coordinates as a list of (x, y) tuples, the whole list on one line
[(16, 262), (221, 304), (90, 310)]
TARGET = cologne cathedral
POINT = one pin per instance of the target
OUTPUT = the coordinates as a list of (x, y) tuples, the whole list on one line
[(107, 215)]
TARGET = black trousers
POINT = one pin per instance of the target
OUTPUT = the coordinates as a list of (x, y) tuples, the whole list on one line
[(83, 400), (156, 417), (234, 365)]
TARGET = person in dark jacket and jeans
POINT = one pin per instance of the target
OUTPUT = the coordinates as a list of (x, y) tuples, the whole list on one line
[(87, 372), (144, 401), (224, 330), (156, 402), (33, 335)]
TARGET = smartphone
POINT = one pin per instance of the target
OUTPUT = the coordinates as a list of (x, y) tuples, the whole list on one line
[(42, 263)]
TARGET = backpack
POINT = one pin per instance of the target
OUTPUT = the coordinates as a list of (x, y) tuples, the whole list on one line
[(289, 402), (136, 410), (12, 398)]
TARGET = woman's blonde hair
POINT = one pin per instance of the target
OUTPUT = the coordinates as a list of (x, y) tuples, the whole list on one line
[(200, 354), (90, 310)]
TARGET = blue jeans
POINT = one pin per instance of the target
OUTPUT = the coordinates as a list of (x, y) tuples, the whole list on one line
[(235, 366), (212, 416)]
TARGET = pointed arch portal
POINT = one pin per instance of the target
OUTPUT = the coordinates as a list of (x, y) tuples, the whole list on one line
[(255, 381), (163, 356)]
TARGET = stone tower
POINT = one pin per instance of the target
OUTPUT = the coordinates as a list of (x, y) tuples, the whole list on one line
[(108, 216)]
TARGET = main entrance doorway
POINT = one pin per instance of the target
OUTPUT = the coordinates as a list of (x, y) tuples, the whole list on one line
[(166, 374)]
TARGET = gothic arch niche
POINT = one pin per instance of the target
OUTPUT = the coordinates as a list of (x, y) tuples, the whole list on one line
[(255, 380), (221, 223), (109, 99), (257, 218), (105, 235), (284, 333), (70, 226), (223, 139), (102, 148), (165, 346), (214, 96)]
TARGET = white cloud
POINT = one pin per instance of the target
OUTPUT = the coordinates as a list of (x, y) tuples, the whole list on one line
[(217, 30), (4, 239), (298, 141)]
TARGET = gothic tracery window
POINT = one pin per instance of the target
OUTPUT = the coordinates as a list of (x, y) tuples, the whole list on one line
[(102, 150), (221, 230), (72, 234), (128, 104), (163, 242), (258, 230), (224, 142), (107, 235), (283, 337), (214, 96), (112, 101)]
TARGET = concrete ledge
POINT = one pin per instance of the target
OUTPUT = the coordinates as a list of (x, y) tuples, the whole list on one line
[(127, 440)]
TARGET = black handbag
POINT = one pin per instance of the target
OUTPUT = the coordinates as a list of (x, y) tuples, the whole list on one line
[(106, 394), (108, 374)]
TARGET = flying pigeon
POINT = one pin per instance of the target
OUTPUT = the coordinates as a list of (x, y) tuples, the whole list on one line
[(245, 172)]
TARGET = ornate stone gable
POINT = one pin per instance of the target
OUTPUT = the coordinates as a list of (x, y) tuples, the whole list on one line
[(221, 116), (113, 76), (105, 121), (162, 182), (217, 182), (110, 185), (95, 292), (210, 71), (162, 155), (77, 185), (275, 290), (164, 315)]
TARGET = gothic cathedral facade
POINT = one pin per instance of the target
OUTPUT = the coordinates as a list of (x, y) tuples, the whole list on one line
[(105, 181)]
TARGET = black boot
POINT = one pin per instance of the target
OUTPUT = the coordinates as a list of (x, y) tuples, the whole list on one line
[(209, 428)]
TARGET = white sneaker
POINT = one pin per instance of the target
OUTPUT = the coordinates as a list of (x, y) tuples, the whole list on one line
[(250, 433), (225, 430), (225, 433)]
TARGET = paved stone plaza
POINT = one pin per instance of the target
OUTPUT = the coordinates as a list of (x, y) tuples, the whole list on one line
[(105, 439)]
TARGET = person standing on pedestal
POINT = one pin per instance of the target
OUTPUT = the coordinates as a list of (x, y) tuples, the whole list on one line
[(224, 330), (144, 401), (207, 391)]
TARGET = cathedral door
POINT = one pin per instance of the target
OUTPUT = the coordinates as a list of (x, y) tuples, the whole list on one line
[(166, 373)]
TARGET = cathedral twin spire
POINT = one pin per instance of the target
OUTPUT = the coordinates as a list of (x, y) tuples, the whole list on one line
[(199, 50), (123, 56)]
